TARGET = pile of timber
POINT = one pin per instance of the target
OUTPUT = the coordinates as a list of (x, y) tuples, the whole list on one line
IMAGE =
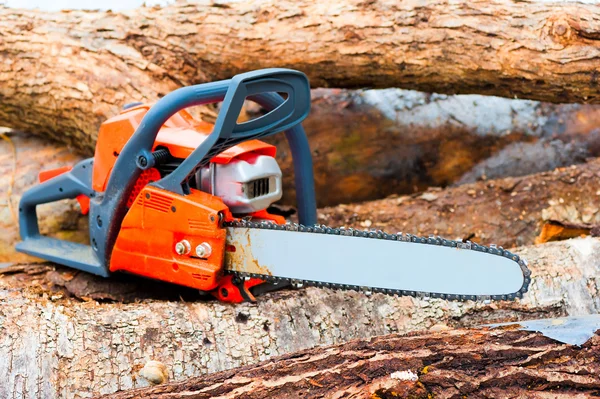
[(69, 334)]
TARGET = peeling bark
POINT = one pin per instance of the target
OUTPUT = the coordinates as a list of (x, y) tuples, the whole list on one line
[(88, 64), (557, 231), (482, 363), (106, 343)]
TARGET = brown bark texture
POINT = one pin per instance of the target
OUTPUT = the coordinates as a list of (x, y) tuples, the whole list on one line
[(63, 73), (479, 363), (508, 212)]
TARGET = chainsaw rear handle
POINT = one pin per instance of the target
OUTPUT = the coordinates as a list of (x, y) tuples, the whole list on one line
[(66, 185), (107, 212), (70, 184)]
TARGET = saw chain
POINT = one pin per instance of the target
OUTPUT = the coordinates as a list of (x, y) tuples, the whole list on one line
[(380, 235)]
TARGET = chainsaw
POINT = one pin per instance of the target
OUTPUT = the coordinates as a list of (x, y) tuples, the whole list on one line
[(177, 199)]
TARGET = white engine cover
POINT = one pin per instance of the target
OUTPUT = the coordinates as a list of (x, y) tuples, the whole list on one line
[(245, 185)]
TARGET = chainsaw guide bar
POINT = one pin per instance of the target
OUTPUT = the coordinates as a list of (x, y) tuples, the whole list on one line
[(257, 270)]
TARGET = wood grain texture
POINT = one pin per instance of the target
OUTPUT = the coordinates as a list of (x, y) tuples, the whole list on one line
[(481, 363), (63, 73)]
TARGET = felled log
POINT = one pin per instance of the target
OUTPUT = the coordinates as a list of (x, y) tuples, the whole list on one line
[(480, 363), (508, 212), (89, 63), (370, 144), (59, 327), (73, 326)]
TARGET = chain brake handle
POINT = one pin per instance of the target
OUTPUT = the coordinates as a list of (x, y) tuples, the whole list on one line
[(257, 86)]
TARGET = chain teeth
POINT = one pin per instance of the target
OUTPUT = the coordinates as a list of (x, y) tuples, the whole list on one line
[(380, 235)]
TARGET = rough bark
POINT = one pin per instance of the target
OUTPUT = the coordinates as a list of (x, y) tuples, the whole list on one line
[(370, 144), (51, 340), (481, 363), (88, 64), (508, 212)]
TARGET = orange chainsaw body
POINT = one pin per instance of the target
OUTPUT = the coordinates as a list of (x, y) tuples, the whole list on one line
[(156, 222), (163, 185), (158, 219), (181, 134)]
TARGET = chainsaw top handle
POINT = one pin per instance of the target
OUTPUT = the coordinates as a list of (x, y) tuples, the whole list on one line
[(262, 86)]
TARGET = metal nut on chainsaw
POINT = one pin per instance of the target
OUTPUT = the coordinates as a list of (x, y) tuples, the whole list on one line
[(183, 247), (203, 250)]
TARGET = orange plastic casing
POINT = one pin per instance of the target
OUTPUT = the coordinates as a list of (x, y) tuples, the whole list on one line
[(156, 222), (181, 134), (158, 219)]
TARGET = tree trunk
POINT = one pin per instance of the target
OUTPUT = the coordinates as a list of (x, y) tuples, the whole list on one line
[(84, 74), (482, 363), (59, 327), (370, 144), (508, 212)]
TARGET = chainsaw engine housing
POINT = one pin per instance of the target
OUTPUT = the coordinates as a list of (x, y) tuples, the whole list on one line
[(246, 177), (246, 184)]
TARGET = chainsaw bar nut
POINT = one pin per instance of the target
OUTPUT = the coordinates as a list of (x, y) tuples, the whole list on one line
[(203, 250), (183, 247)]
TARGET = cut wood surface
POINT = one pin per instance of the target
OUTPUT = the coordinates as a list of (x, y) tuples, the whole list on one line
[(63, 73), (74, 327), (481, 363)]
